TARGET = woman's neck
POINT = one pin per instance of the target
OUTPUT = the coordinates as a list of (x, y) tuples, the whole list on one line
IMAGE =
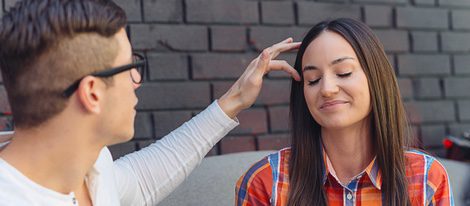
[(349, 149)]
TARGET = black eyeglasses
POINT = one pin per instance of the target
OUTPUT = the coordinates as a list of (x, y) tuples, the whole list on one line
[(137, 67)]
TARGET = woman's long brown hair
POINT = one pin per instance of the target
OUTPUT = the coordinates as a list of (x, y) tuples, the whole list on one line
[(389, 126)]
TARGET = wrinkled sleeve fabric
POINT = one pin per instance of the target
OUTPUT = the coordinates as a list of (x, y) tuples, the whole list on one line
[(147, 176)]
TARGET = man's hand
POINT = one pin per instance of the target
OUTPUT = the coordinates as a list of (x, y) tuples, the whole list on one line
[(246, 89)]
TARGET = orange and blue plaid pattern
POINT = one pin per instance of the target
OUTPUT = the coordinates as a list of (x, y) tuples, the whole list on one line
[(267, 183)]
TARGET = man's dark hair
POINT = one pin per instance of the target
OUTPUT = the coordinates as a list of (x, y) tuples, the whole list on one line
[(46, 45)]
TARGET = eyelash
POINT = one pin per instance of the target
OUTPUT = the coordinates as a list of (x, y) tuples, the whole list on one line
[(344, 75), (311, 83)]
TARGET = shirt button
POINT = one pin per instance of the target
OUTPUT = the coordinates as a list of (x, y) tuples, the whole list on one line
[(349, 196)]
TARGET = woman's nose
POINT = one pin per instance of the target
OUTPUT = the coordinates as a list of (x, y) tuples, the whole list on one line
[(329, 86)]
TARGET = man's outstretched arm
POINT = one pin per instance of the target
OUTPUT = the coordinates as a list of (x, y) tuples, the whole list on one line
[(149, 175)]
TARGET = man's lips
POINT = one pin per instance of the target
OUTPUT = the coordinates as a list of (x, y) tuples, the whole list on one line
[(332, 103)]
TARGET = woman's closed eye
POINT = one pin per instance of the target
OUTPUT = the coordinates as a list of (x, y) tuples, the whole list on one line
[(313, 82), (342, 75)]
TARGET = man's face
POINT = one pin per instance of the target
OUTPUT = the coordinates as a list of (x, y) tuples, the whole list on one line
[(119, 108)]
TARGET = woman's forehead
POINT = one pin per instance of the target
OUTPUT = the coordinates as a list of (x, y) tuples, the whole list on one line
[(326, 48)]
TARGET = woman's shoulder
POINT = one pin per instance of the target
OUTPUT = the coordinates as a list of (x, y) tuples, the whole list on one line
[(257, 182), (269, 162), (262, 171), (427, 172), (422, 163), (419, 157)]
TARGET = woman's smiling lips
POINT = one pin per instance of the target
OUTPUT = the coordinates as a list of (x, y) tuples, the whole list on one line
[(332, 104)]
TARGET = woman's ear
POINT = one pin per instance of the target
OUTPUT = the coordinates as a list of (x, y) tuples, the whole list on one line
[(90, 93)]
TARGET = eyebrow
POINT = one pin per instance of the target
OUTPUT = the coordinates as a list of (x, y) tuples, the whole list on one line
[(336, 61)]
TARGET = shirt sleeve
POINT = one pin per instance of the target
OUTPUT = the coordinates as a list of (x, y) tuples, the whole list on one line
[(438, 186), (147, 176), (254, 188)]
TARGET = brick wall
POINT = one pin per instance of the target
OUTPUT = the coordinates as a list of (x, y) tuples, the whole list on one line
[(197, 49)]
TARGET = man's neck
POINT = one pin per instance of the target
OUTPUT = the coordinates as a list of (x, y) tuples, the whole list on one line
[(57, 158)]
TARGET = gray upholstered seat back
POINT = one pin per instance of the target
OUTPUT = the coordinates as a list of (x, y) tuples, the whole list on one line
[(213, 182)]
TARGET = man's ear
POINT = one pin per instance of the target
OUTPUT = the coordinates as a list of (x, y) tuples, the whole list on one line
[(90, 93)]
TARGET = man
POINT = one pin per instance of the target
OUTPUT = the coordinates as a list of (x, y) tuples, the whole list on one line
[(70, 76)]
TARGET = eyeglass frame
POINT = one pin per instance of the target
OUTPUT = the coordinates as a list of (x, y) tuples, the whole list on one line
[(141, 62)]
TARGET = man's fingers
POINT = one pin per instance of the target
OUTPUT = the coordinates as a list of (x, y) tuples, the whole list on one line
[(288, 40), (284, 66), (275, 50), (263, 61), (285, 45), (274, 47), (262, 64)]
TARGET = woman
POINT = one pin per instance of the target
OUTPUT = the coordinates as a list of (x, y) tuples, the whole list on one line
[(349, 132)]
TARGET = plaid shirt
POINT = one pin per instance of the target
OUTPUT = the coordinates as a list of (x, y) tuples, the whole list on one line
[(267, 183)]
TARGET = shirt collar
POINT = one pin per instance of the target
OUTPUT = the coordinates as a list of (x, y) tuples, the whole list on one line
[(99, 165), (372, 171), (5, 138)]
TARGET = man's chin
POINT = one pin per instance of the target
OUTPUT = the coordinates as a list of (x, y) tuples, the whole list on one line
[(128, 137), (122, 139)]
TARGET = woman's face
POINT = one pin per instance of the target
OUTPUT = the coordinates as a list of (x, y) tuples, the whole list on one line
[(335, 85)]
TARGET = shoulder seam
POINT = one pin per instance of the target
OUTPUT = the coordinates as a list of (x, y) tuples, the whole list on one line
[(421, 153)]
